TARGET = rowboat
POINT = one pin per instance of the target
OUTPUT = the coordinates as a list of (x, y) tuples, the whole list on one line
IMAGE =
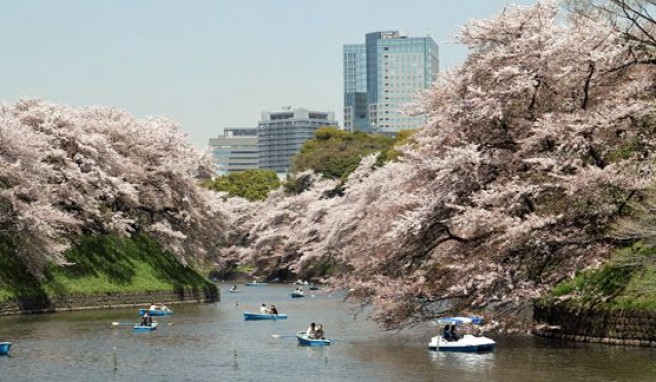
[(449, 341), (248, 316), (145, 328), (313, 287), (304, 340), (297, 294), (155, 312), (256, 284), (5, 347), (234, 291)]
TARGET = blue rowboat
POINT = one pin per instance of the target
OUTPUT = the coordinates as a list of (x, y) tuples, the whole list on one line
[(248, 316), (297, 295), (155, 312), (145, 328), (5, 347), (305, 341), (256, 284)]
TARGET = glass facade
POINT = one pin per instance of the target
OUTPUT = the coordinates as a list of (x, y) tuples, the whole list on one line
[(282, 134), (394, 69), (355, 88)]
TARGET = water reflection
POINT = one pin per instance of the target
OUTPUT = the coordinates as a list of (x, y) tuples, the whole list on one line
[(462, 361)]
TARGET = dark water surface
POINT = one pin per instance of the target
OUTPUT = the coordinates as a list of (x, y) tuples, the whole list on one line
[(212, 342)]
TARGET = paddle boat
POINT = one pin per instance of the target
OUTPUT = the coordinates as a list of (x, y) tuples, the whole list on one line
[(5, 347), (156, 312), (297, 293), (145, 328), (255, 284), (234, 289), (249, 316), (450, 340), (304, 340)]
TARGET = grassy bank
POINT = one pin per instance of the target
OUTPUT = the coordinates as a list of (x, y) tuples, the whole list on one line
[(100, 264), (628, 281)]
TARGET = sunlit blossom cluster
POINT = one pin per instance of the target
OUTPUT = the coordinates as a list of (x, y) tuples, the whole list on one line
[(66, 172)]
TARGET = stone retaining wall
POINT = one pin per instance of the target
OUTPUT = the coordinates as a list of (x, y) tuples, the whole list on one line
[(46, 304), (620, 327)]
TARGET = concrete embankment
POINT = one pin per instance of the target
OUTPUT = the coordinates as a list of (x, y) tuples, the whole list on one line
[(45, 304), (618, 327)]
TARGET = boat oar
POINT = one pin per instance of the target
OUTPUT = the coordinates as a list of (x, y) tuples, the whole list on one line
[(124, 323), (283, 335)]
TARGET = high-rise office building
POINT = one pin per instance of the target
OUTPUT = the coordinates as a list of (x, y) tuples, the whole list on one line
[(384, 74), (281, 134), (236, 150)]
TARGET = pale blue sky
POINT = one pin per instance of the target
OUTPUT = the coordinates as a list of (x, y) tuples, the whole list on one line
[(206, 64)]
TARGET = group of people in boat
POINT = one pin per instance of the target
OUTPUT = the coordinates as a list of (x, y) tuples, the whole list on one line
[(450, 333), (299, 291), (315, 331), (146, 320), (271, 309)]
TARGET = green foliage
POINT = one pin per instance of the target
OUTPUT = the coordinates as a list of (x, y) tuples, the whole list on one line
[(329, 132), (335, 153), (296, 185), (15, 279), (626, 282), (252, 184), (100, 264)]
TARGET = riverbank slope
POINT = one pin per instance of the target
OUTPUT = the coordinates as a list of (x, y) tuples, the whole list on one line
[(103, 271), (614, 304)]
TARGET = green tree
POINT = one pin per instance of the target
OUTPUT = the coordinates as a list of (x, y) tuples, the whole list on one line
[(252, 184), (335, 153)]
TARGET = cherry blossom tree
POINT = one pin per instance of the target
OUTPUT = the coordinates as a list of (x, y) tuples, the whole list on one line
[(532, 150), (66, 172)]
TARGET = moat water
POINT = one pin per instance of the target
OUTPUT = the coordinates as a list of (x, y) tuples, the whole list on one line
[(213, 342)]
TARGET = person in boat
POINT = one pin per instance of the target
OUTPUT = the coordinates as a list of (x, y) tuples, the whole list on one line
[(312, 330), (455, 335), (447, 333), (158, 306), (264, 309), (273, 310), (318, 333), (146, 320), (234, 287)]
